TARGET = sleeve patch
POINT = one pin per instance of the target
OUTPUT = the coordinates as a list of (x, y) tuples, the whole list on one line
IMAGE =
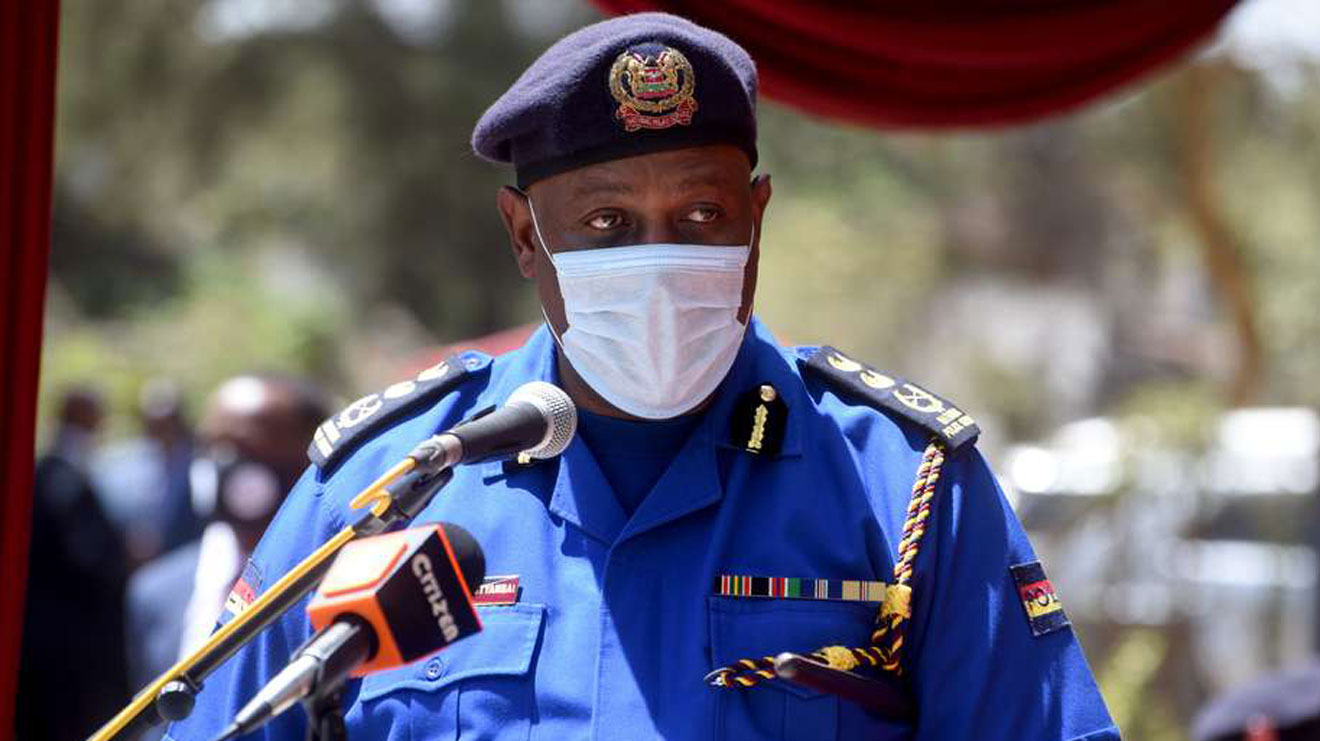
[(907, 400), (243, 594), (340, 434), (1044, 609)]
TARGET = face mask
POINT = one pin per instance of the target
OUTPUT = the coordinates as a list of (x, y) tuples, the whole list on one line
[(652, 328), (234, 488)]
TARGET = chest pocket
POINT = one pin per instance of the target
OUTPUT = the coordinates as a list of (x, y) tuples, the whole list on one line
[(478, 688), (742, 628)]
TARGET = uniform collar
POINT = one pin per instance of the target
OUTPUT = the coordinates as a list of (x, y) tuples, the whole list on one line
[(580, 493), (760, 361), (585, 498)]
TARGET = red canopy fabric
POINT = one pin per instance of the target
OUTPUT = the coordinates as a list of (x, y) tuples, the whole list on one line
[(897, 63), (27, 84)]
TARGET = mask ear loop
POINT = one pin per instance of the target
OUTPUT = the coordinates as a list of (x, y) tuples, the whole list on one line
[(751, 307), (536, 225), (751, 247), (537, 228)]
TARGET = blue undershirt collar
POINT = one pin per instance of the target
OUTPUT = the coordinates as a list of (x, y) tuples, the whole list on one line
[(633, 455)]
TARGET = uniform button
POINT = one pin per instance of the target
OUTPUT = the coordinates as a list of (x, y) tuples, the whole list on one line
[(434, 669)]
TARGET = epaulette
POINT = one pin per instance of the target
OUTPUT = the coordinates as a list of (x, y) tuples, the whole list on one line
[(895, 395), (358, 422)]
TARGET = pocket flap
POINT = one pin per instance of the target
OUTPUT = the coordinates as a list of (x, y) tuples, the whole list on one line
[(504, 647), (742, 628)]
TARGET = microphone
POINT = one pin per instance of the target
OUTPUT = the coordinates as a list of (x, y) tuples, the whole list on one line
[(538, 420), (387, 600)]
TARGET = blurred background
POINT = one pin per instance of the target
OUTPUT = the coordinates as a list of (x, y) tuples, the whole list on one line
[(1125, 297)]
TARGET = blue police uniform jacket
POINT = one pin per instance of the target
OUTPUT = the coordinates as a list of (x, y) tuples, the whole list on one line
[(617, 621)]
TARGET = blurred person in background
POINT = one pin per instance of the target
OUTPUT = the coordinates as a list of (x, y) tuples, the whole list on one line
[(143, 482), (72, 672), (1281, 706), (251, 448)]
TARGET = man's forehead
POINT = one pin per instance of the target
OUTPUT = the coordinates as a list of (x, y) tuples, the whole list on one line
[(719, 166)]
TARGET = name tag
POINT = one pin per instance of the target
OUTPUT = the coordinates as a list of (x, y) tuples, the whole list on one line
[(497, 590)]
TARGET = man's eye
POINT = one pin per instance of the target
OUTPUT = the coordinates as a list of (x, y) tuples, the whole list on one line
[(605, 221), (703, 214)]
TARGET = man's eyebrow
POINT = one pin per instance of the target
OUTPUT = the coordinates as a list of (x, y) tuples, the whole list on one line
[(702, 176), (596, 185)]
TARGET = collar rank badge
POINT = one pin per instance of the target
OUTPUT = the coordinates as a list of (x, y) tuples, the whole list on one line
[(758, 421), (1044, 610), (497, 590)]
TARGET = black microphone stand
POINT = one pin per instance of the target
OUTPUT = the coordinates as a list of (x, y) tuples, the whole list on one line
[(325, 713), (325, 703)]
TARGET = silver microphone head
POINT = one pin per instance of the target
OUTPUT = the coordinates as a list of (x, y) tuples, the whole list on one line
[(559, 412)]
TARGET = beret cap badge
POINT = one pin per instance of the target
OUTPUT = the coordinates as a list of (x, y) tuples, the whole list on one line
[(653, 85)]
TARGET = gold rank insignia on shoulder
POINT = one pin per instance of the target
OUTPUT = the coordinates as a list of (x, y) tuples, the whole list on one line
[(342, 433), (759, 419), (905, 399)]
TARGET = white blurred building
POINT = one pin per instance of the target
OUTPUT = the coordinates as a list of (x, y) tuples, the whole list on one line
[(1223, 540)]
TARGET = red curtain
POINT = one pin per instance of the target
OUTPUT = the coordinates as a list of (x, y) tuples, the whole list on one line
[(899, 63), (27, 84)]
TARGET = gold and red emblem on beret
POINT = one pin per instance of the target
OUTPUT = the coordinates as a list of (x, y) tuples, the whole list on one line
[(654, 91)]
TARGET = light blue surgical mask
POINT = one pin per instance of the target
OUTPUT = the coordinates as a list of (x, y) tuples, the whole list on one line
[(652, 328)]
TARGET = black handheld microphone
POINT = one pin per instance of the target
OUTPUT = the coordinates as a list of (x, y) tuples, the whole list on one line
[(538, 420), (387, 601)]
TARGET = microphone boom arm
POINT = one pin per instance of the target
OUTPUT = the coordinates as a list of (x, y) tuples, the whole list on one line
[(396, 497)]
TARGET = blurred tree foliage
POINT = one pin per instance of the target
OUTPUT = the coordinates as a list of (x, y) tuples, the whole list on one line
[(227, 169), (1059, 270), (289, 184), (347, 139)]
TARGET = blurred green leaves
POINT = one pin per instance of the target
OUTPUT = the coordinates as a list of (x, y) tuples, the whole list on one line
[(234, 314), (296, 193)]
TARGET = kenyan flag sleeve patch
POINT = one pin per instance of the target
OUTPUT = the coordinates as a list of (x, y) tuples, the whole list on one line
[(1044, 610), (243, 594)]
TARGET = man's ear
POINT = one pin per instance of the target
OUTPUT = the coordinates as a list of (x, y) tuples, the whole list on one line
[(760, 197), (517, 217), (761, 192)]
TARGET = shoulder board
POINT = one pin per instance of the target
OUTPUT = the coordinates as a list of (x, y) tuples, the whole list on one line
[(894, 395), (363, 419)]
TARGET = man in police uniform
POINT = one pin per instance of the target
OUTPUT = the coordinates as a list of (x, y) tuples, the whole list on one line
[(726, 499)]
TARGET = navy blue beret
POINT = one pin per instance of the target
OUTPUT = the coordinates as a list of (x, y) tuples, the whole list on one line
[(619, 88)]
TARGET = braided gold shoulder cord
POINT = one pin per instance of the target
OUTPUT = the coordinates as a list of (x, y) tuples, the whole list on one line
[(886, 646)]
